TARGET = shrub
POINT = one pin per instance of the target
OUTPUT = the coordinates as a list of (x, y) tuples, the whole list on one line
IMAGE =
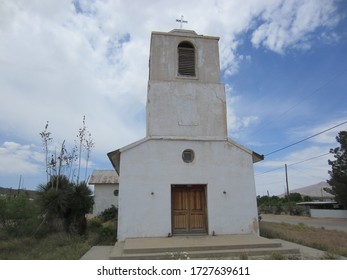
[(18, 215), (297, 210), (94, 224), (66, 203), (109, 214)]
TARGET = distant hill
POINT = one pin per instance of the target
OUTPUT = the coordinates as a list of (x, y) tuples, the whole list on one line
[(314, 191), (10, 191)]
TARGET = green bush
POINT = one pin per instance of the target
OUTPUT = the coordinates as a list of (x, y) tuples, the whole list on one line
[(297, 211), (109, 214)]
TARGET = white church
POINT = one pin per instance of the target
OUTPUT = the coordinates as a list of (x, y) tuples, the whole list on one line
[(186, 177)]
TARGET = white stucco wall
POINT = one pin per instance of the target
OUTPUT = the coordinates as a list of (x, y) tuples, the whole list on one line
[(191, 106), (154, 165), (186, 109), (163, 56), (104, 197)]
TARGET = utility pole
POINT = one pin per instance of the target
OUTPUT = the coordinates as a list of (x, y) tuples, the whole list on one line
[(290, 209), (20, 182)]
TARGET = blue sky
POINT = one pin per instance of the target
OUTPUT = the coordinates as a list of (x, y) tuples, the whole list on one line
[(284, 65)]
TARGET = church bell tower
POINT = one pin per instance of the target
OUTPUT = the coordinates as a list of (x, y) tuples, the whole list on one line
[(186, 176), (185, 97)]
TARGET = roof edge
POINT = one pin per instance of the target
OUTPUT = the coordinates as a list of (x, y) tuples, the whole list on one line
[(185, 33), (255, 156), (114, 157)]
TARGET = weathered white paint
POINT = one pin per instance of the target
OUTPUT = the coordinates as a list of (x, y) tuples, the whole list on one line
[(186, 109), (185, 113), (104, 197), (163, 56), (105, 183), (328, 213), (185, 106), (156, 164)]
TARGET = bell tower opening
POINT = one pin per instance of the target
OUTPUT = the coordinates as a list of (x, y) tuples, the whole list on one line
[(186, 59)]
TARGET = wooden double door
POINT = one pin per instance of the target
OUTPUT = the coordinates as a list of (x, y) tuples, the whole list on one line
[(189, 213)]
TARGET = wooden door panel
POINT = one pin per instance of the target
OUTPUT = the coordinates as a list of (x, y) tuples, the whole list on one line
[(188, 209), (197, 210), (180, 223), (180, 199), (180, 211), (197, 223)]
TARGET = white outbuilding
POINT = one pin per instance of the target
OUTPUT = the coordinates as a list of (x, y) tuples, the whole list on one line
[(186, 176), (106, 188)]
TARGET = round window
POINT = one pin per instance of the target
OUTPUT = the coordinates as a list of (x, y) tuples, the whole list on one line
[(115, 192), (188, 155)]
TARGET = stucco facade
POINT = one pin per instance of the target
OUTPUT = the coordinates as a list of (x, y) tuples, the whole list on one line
[(106, 189), (186, 106), (185, 113), (226, 169)]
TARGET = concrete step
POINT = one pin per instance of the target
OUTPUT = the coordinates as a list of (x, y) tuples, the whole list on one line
[(210, 254), (201, 247), (198, 247)]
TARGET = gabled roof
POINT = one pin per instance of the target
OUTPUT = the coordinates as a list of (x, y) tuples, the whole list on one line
[(255, 156), (114, 156), (104, 177)]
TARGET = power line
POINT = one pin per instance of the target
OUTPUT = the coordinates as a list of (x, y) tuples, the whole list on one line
[(308, 159), (307, 174), (304, 98), (298, 162), (314, 91), (268, 171), (298, 142)]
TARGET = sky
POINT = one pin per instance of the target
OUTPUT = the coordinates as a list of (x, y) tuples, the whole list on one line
[(283, 63)]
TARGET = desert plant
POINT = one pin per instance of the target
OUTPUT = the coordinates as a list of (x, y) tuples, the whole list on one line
[(67, 205)]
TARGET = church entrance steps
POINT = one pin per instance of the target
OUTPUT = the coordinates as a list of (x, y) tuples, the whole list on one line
[(198, 247)]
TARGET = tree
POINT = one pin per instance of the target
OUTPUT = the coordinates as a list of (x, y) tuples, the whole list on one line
[(294, 197), (338, 172)]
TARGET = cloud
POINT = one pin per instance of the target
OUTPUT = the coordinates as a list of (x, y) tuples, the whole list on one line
[(289, 24), (19, 159), (236, 122), (327, 132), (305, 166), (62, 59), (61, 68), (307, 163)]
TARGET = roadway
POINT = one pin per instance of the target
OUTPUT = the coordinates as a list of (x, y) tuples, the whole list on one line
[(327, 223)]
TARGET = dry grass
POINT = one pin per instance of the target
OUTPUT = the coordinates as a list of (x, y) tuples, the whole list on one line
[(331, 241), (56, 246), (59, 246)]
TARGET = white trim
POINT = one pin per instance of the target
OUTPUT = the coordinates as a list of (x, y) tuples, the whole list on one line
[(177, 138)]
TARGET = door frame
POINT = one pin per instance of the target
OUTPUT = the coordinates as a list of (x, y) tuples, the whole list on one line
[(187, 186)]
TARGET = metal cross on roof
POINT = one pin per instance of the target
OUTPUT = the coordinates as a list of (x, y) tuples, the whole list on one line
[(181, 21)]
